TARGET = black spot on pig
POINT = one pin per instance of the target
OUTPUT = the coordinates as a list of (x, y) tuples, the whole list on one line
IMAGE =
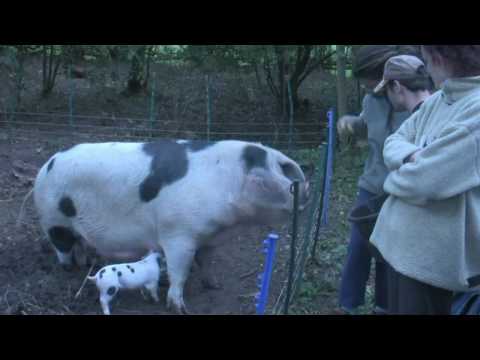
[(114, 269), (169, 164), (111, 290), (50, 165), (119, 274), (254, 157), (101, 273), (66, 207), (62, 238)]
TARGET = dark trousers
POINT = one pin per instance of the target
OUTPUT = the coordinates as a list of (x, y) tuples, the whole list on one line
[(407, 296), (357, 267)]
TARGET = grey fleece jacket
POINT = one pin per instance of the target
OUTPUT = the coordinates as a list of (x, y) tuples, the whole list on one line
[(429, 228), (374, 125)]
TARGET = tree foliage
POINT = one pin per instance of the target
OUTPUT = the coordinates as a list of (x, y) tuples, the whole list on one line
[(274, 65)]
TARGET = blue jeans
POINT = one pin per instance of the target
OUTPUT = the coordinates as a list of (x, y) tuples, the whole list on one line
[(357, 269)]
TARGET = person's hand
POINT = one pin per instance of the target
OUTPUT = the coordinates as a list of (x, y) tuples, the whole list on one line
[(411, 158), (346, 124)]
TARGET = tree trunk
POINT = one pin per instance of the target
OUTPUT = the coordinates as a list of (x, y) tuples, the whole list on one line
[(282, 84), (114, 53), (137, 73), (149, 53), (257, 75), (44, 68), (50, 69), (303, 56), (296, 73), (341, 82), (359, 96)]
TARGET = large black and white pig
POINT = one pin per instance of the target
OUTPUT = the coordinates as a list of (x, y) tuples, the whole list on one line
[(125, 199)]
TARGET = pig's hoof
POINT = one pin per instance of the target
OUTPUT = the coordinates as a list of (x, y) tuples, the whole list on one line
[(179, 309)]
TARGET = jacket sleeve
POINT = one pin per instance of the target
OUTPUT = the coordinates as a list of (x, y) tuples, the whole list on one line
[(447, 167), (401, 144), (360, 127)]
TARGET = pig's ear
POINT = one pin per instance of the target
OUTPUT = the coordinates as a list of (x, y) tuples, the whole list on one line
[(262, 187)]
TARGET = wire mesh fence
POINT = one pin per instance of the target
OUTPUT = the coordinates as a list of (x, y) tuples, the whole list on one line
[(184, 105), (58, 126), (305, 231)]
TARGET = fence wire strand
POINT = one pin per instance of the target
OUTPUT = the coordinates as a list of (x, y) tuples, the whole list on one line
[(29, 123)]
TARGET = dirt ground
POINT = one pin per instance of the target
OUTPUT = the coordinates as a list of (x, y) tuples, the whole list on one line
[(32, 281)]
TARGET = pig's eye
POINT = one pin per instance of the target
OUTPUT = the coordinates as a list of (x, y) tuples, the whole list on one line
[(289, 171)]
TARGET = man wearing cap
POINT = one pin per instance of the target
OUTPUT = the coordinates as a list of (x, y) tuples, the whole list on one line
[(376, 122), (406, 83)]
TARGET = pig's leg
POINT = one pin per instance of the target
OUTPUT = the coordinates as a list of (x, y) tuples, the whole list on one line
[(179, 254), (106, 297), (153, 290), (204, 258), (105, 308)]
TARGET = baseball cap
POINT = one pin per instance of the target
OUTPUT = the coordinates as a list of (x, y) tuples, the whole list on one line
[(402, 67)]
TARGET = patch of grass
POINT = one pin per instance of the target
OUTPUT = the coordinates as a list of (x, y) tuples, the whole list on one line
[(309, 157)]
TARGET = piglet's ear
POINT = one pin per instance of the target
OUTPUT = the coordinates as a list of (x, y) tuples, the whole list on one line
[(262, 187)]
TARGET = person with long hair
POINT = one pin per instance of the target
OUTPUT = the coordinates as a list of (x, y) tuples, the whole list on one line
[(428, 228)]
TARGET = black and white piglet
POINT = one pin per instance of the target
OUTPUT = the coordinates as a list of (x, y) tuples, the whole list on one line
[(144, 273)]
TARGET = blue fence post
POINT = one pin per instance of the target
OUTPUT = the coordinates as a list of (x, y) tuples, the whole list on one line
[(329, 172), (264, 279)]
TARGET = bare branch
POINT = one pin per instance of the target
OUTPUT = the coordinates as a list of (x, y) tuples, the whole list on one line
[(303, 58), (268, 76), (315, 65)]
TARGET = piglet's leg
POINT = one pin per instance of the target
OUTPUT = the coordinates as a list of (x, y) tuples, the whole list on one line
[(105, 308), (153, 290), (106, 297)]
